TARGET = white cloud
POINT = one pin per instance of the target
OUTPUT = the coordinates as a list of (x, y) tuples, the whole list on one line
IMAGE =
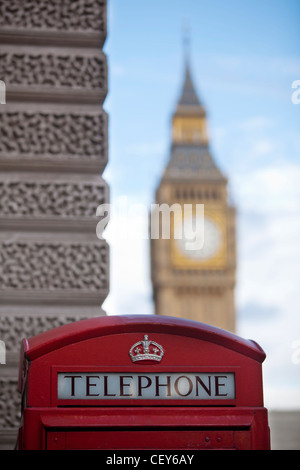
[(255, 123), (268, 294), (269, 233), (269, 189), (127, 235), (283, 398)]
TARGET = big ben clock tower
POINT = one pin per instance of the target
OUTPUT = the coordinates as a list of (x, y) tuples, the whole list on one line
[(196, 284)]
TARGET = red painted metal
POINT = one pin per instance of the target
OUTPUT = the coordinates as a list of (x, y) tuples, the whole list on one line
[(99, 347)]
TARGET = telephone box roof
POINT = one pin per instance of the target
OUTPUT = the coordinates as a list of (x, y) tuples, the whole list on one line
[(65, 335)]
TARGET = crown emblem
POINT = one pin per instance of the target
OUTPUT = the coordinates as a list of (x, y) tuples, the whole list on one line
[(146, 350)]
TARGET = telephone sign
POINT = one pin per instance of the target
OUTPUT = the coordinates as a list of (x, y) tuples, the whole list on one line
[(151, 386)]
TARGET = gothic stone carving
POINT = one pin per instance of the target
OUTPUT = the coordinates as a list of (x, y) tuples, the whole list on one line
[(14, 328), (76, 135), (77, 15), (66, 69), (53, 266), (50, 199), (10, 410)]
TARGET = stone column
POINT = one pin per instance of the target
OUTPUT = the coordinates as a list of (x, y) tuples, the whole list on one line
[(53, 151)]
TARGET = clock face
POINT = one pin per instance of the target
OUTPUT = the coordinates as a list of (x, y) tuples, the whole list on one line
[(209, 237)]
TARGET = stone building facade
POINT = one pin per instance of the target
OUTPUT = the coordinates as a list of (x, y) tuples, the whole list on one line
[(53, 151)]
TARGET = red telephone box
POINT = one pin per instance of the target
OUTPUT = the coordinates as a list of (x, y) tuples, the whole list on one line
[(141, 382)]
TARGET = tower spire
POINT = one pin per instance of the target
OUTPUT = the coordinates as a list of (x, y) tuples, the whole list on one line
[(186, 40), (189, 95)]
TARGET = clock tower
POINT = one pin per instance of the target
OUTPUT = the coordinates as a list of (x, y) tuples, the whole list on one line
[(194, 281)]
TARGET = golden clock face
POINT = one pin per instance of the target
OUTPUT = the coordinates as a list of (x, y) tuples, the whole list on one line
[(200, 244)]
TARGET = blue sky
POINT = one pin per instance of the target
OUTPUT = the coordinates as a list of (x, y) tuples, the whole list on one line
[(244, 58)]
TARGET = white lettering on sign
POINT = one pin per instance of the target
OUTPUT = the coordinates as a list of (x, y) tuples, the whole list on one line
[(174, 386)]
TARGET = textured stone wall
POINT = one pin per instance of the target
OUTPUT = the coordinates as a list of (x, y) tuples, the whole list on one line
[(53, 151)]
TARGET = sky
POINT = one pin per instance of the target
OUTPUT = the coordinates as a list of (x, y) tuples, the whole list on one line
[(244, 59)]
